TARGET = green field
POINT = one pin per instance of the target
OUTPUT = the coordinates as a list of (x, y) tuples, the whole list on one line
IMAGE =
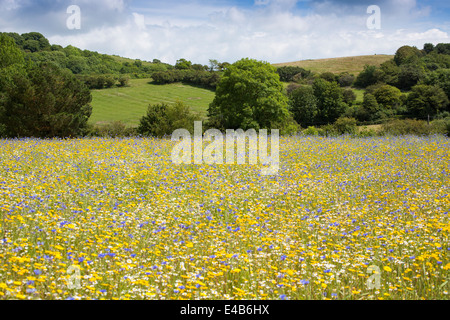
[(129, 104), (359, 94), (352, 65)]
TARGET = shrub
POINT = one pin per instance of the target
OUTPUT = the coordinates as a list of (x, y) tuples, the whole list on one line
[(109, 81), (408, 126), (114, 129), (441, 126), (349, 96), (287, 73), (346, 80), (365, 132), (292, 87), (328, 131), (328, 76), (310, 131), (346, 126), (163, 119), (123, 81)]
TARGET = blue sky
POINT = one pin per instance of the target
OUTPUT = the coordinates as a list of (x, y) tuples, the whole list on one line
[(227, 30)]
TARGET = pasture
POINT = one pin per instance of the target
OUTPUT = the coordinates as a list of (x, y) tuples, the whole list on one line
[(130, 103), (352, 65)]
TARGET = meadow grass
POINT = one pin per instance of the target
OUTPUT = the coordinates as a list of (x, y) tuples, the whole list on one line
[(129, 104), (352, 65), (359, 94), (138, 227)]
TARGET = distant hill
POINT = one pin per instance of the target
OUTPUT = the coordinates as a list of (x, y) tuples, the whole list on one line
[(352, 65)]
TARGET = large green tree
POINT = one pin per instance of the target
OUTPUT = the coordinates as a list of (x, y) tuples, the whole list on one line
[(440, 78), (43, 101), (369, 76), (407, 54), (388, 97), (410, 74), (10, 54), (249, 95), (425, 100), (330, 101), (303, 105)]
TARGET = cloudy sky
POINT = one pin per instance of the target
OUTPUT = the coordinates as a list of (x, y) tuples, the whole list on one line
[(228, 30)]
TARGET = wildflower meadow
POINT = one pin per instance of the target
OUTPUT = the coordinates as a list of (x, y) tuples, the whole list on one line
[(344, 218)]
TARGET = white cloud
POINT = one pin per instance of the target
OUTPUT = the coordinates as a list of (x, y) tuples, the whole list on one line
[(8, 5), (432, 34), (139, 20), (271, 32)]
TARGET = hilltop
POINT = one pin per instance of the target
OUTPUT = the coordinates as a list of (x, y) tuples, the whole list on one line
[(353, 65)]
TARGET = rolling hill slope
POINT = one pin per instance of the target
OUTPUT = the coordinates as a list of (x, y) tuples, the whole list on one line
[(129, 104), (352, 65)]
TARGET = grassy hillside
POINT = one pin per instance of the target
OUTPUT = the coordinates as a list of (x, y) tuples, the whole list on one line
[(129, 104), (352, 65)]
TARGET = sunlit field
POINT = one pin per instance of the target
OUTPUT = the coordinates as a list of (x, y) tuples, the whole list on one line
[(135, 226)]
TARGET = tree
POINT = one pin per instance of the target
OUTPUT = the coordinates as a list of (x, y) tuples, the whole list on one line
[(213, 65), (163, 119), (425, 100), (76, 64), (329, 76), (388, 96), (249, 95), (40, 42), (440, 78), (303, 105), (349, 96), (44, 101), (330, 101), (389, 72), (407, 54), (443, 48), (367, 77), (346, 80), (409, 76), (428, 48), (18, 39), (9, 52), (183, 64), (287, 73), (370, 103)]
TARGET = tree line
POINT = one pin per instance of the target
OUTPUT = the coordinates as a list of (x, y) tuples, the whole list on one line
[(45, 98)]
